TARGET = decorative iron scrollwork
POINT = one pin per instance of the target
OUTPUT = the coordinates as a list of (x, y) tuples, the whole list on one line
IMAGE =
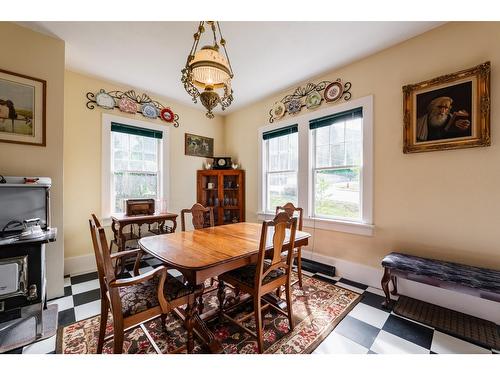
[(115, 99), (312, 95)]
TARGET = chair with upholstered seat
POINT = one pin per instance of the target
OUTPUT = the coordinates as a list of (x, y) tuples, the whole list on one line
[(201, 217), (269, 273), (292, 211), (136, 299)]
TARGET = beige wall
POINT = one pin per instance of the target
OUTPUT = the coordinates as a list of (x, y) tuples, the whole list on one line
[(82, 155), (36, 55), (438, 204)]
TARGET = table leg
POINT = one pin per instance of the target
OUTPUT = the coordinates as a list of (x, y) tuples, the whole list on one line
[(221, 296), (174, 224), (115, 234), (201, 305), (189, 323), (199, 326)]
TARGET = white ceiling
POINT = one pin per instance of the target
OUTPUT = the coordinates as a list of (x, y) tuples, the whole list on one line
[(267, 57)]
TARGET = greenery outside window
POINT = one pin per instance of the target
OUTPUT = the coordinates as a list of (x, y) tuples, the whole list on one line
[(337, 165)]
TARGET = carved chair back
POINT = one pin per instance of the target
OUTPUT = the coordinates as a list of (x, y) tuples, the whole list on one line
[(281, 222), (105, 268), (292, 211), (198, 216)]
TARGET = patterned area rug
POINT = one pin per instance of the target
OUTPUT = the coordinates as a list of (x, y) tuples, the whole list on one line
[(317, 309), (480, 331)]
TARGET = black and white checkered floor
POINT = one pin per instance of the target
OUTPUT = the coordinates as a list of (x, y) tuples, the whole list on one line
[(366, 329)]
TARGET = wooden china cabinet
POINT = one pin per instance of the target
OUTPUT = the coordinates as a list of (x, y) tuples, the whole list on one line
[(224, 190)]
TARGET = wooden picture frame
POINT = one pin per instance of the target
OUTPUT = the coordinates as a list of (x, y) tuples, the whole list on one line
[(448, 112), (22, 109), (197, 145)]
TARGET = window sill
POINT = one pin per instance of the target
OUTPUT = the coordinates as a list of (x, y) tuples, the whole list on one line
[(327, 224)]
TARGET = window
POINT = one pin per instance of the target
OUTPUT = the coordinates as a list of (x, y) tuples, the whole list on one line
[(337, 165), (134, 163), (281, 165), (323, 164)]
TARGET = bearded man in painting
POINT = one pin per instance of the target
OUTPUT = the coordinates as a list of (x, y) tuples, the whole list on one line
[(440, 123)]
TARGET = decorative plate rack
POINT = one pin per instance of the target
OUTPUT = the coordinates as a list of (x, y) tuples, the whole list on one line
[(310, 96), (130, 102)]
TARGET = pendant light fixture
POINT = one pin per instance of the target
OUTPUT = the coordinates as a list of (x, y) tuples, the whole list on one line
[(208, 71)]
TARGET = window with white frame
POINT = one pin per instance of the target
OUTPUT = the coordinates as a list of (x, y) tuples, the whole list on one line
[(135, 164), (332, 168), (281, 166), (337, 154)]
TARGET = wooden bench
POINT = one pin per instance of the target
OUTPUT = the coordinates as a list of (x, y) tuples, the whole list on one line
[(476, 281)]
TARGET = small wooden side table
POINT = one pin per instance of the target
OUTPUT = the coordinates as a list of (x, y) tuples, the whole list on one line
[(121, 221)]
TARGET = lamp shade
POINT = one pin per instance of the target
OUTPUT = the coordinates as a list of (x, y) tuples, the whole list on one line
[(210, 69)]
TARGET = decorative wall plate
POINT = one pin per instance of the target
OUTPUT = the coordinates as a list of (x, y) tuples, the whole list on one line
[(167, 115), (104, 100), (313, 100), (131, 102), (127, 105), (278, 110), (333, 91), (294, 106), (312, 95), (149, 110)]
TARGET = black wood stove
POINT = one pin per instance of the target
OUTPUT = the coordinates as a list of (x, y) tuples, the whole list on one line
[(24, 232)]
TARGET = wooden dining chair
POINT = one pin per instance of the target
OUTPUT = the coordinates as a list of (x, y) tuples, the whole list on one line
[(198, 213), (137, 299), (269, 273), (292, 211)]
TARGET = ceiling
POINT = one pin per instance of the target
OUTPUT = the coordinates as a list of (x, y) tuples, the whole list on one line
[(267, 57)]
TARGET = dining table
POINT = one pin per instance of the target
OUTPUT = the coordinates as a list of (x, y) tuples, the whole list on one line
[(205, 253)]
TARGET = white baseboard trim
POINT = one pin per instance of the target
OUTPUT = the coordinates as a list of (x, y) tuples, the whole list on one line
[(371, 276), (80, 264)]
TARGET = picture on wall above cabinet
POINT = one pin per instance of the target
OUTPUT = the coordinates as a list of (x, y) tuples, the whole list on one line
[(197, 145), (22, 109), (130, 102), (310, 96), (448, 112)]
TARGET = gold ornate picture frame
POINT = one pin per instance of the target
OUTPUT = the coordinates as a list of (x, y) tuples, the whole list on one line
[(448, 112)]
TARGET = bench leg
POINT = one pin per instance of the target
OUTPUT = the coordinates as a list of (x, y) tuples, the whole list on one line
[(395, 285), (385, 287)]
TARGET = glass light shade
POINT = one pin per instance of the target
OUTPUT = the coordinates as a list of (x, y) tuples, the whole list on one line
[(210, 69)]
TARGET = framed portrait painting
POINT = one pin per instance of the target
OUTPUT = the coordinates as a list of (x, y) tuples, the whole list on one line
[(196, 145), (22, 109), (448, 112)]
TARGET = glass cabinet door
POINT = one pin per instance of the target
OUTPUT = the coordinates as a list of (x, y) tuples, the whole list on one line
[(231, 198)]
